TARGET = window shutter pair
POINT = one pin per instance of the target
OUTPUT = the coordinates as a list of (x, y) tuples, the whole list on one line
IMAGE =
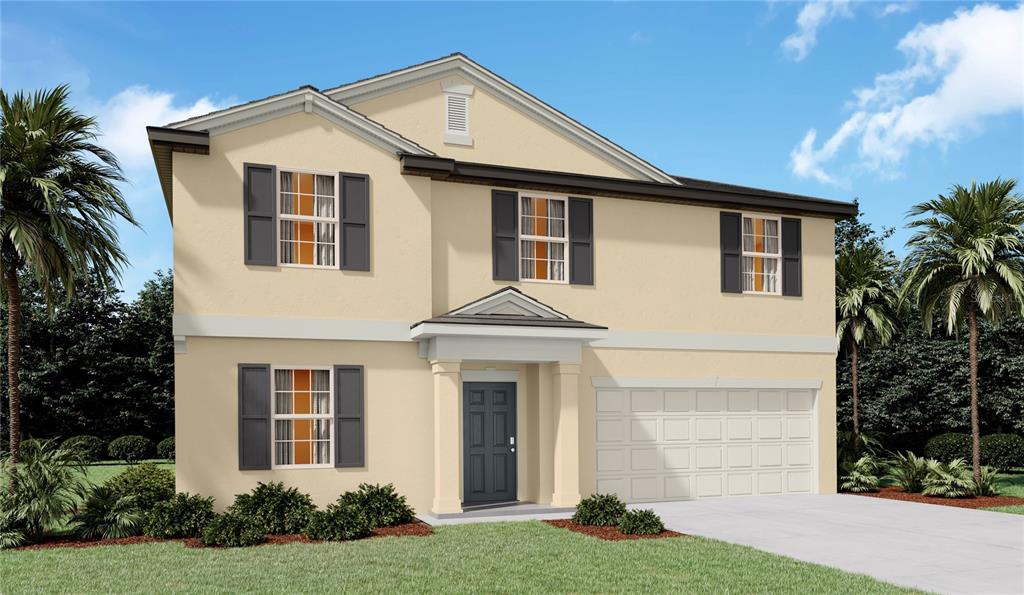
[(254, 419), (259, 194), (731, 238), (505, 238)]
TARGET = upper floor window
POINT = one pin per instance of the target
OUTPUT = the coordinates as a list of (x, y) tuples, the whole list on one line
[(761, 254), (302, 432), (307, 212), (542, 238)]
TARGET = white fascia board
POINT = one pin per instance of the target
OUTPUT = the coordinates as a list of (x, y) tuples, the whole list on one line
[(716, 342), (435, 329), (533, 107), (708, 382), (290, 328), (509, 295)]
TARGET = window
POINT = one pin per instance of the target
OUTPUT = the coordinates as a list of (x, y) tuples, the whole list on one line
[(307, 211), (302, 417), (761, 255), (542, 238)]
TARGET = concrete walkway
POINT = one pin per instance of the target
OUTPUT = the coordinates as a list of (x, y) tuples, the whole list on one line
[(935, 548)]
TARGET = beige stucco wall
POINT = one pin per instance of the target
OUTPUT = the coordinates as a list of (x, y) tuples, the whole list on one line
[(210, 276), (501, 134), (398, 409)]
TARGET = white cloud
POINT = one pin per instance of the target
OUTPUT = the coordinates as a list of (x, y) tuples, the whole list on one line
[(124, 117), (640, 38), (812, 17), (896, 8), (959, 72)]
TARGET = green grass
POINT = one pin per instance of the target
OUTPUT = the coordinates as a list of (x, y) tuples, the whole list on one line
[(1012, 485), (492, 557), (100, 472)]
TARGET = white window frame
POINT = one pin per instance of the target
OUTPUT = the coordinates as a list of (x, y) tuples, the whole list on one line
[(521, 236), (275, 416), (336, 220), (778, 257)]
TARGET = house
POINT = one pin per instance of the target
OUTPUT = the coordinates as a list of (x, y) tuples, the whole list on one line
[(432, 278)]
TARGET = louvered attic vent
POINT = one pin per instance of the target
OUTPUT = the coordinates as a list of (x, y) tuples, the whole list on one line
[(456, 119)]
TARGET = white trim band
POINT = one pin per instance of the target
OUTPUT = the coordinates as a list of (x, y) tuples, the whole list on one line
[(708, 382), (716, 342), (290, 328)]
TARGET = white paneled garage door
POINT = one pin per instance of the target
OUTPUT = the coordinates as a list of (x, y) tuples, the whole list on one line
[(673, 444)]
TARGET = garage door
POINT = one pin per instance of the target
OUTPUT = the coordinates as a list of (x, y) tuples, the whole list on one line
[(672, 444)]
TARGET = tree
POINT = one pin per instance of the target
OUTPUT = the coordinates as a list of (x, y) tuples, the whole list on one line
[(865, 304), (967, 258), (60, 205)]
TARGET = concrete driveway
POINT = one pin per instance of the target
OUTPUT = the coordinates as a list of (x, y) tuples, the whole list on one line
[(934, 548)]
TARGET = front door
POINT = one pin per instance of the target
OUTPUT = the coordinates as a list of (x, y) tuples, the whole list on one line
[(489, 442)]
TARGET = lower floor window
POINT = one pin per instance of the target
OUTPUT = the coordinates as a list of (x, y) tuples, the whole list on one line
[(302, 416)]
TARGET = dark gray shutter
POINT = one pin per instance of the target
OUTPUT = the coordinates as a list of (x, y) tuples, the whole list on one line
[(259, 184), (504, 230), (355, 221), (730, 230), (581, 241), (349, 431), (792, 281), (254, 416)]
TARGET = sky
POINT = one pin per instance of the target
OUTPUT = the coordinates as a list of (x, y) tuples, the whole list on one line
[(889, 103)]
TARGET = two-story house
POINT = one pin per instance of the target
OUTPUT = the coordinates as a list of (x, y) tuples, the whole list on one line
[(432, 278)]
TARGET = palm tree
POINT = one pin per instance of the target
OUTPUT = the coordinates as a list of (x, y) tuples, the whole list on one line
[(966, 259), (865, 305), (59, 205)]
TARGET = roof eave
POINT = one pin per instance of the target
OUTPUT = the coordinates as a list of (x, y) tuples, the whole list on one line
[(163, 142)]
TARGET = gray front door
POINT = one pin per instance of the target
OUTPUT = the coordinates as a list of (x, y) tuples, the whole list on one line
[(489, 449)]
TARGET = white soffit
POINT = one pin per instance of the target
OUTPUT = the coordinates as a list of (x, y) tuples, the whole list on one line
[(460, 65)]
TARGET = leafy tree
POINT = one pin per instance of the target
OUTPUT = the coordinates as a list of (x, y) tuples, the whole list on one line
[(967, 258), (60, 203)]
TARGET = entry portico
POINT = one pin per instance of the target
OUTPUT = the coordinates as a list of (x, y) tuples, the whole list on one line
[(503, 355)]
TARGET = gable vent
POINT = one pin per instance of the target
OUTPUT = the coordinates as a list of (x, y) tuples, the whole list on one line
[(456, 119)]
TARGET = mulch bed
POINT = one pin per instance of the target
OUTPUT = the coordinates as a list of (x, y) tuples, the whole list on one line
[(74, 542), (413, 529), (607, 533), (893, 493)]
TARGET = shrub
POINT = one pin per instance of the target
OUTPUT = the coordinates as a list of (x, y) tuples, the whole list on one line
[(165, 448), (640, 522), (275, 509), (339, 522), (602, 510), (382, 505), (130, 449), (949, 481), (12, 526), (232, 530), (946, 447), (106, 515), (860, 476), (988, 483), (1005, 451), (851, 447), (184, 515), (90, 448), (147, 482), (908, 471), (45, 486)]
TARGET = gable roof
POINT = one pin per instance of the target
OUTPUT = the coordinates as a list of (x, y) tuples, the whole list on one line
[(460, 64), (508, 307)]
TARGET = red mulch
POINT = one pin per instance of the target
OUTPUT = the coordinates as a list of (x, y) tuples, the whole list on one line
[(415, 528), (74, 542), (894, 493), (607, 533)]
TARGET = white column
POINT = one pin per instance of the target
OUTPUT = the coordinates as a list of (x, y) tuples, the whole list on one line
[(447, 498), (565, 381)]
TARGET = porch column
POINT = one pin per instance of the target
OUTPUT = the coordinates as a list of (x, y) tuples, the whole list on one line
[(565, 381), (446, 437)]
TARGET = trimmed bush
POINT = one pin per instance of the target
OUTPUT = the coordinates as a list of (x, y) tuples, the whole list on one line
[(640, 522), (275, 509), (1005, 451), (148, 483), (949, 481), (382, 505), (908, 471), (946, 447), (106, 515), (602, 510), (89, 448), (130, 449), (860, 476), (232, 530), (165, 448), (184, 515), (339, 522)]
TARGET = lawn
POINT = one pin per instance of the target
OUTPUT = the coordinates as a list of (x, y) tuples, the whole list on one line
[(492, 557), (1012, 485), (100, 472)]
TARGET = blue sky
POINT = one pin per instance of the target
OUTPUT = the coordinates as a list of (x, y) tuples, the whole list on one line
[(903, 99)]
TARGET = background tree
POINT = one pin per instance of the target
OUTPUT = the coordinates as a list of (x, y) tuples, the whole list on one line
[(865, 305), (60, 205), (967, 258)]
